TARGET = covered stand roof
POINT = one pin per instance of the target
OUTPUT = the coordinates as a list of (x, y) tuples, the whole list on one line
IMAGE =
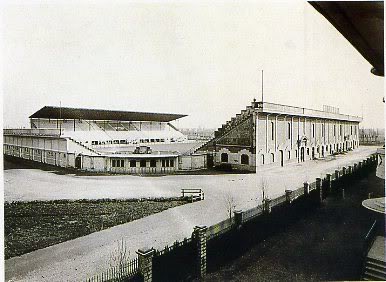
[(94, 114), (361, 23)]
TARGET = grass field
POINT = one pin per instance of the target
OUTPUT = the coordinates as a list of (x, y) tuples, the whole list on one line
[(30, 226)]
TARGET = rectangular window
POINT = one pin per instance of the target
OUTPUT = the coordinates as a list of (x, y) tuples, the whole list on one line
[(167, 163), (153, 163), (122, 163), (163, 163), (133, 163), (272, 131), (113, 163), (334, 129), (171, 163), (142, 163), (340, 130), (351, 129)]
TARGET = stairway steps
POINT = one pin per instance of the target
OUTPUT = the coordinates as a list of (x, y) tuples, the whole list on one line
[(381, 268), (376, 271), (374, 276)]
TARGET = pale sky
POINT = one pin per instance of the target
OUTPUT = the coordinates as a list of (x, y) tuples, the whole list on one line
[(201, 59)]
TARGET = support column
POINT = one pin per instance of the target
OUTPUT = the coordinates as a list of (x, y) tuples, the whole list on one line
[(200, 234), (145, 263)]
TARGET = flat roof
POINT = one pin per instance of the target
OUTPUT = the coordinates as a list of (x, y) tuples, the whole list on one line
[(49, 112), (266, 107)]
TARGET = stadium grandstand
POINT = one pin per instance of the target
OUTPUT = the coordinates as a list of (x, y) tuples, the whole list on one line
[(104, 141)]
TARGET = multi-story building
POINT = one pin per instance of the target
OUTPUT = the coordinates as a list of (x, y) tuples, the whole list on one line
[(273, 134)]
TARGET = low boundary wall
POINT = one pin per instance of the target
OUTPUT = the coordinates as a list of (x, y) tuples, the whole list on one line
[(189, 258)]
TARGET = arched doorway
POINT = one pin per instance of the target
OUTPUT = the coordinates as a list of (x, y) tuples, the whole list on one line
[(78, 162), (281, 158), (244, 159)]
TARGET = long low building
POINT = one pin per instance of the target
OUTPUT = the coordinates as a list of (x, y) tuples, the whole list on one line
[(274, 134), (104, 141)]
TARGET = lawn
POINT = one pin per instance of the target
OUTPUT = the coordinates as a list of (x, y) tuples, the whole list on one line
[(34, 225)]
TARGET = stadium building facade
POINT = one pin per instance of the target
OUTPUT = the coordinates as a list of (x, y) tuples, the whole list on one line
[(274, 134), (102, 141)]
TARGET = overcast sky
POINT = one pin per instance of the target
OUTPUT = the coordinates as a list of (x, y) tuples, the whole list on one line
[(201, 59)]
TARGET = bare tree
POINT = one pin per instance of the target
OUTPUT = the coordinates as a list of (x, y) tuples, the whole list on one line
[(230, 204), (119, 256)]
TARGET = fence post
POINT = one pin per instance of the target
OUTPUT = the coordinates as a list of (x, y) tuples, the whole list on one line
[(200, 234), (329, 182), (145, 263), (319, 188), (267, 206), (238, 218), (336, 174), (288, 196), (306, 188)]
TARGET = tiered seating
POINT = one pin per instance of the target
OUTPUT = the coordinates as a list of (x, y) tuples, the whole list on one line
[(99, 137), (229, 125)]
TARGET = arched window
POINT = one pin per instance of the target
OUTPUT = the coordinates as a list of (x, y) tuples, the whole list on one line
[(289, 155), (262, 159), (244, 159), (224, 157), (273, 157)]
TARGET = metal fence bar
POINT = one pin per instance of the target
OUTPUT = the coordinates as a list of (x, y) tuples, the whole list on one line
[(128, 270)]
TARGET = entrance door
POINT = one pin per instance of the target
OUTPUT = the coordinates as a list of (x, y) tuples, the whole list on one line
[(78, 162), (209, 159), (281, 158)]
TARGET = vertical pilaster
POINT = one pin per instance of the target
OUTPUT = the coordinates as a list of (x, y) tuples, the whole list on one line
[(319, 188), (329, 182), (267, 206), (145, 263), (288, 195), (200, 234), (238, 215), (306, 188)]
